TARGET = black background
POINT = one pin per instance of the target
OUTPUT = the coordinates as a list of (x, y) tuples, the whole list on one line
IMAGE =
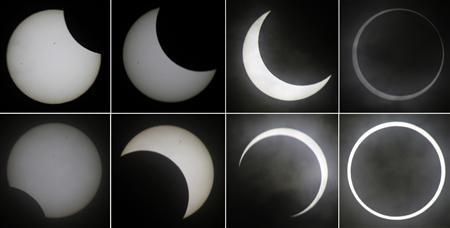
[(191, 33), (355, 97), (149, 190), (18, 209), (279, 176), (298, 43), (88, 23), (395, 171)]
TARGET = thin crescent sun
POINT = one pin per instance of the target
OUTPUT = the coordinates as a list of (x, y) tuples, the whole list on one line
[(302, 137)]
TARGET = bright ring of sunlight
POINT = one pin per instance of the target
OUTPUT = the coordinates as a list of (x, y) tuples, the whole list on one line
[(363, 79), (302, 137), (418, 130)]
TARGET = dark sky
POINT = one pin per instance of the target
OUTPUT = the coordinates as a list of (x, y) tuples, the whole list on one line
[(399, 53), (395, 171), (88, 25), (191, 33), (18, 209), (280, 176), (298, 43), (150, 190)]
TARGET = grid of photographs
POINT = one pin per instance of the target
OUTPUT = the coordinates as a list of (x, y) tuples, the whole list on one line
[(230, 113)]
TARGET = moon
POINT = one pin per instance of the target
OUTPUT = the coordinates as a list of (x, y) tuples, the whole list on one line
[(263, 79), (58, 166), (185, 150), (302, 137), (46, 63), (363, 79), (152, 72), (411, 127)]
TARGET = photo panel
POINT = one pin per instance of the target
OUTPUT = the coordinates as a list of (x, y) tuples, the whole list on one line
[(55, 56), (282, 56), (392, 56), (392, 170), (181, 183), (55, 170), (282, 171), (168, 56)]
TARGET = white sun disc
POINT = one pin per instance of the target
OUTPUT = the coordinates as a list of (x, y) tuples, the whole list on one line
[(403, 125)]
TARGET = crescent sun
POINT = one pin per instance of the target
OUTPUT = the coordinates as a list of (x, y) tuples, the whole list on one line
[(261, 76), (302, 137), (152, 72), (185, 150)]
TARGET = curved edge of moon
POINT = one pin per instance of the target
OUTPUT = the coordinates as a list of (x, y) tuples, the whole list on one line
[(34, 54), (152, 72), (96, 57), (185, 150), (308, 141), (23, 160), (261, 76)]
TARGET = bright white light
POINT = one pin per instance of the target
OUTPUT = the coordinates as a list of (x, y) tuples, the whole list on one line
[(363, 79), (152, 72), (418, 130), (263, 79), (302, 137), (46, 63), (185, 150)]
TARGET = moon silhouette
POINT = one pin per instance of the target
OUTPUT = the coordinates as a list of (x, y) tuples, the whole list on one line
[(363, 79), (46, 63), (403, 125), (263, 79), (187, 152), (57, 165), (302, 137), (152, 72)]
